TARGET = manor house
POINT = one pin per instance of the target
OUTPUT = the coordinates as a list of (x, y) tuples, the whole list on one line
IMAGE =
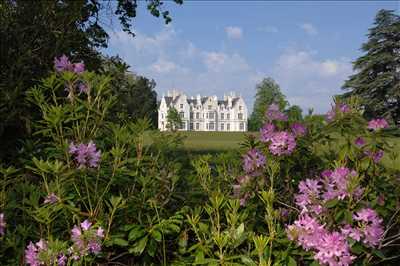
[(205, 113)]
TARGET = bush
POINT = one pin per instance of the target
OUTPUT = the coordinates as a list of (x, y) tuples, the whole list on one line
[(90, 190)]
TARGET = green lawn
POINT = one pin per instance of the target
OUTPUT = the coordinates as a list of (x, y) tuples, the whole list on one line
[(213, 141)]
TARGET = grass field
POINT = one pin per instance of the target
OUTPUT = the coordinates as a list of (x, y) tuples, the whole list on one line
[(213, 142)]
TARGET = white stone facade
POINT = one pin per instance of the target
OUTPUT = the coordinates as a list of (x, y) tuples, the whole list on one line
[(205, 113)]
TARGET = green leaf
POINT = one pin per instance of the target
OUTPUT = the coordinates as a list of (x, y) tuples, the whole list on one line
[(120, 242), (156, 235), (151, 248), (139, 246), (136, 233), (331, 203), (292, 262)]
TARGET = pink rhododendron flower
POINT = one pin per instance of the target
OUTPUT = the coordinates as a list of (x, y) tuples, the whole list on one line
[(308, 198), (360, 141), (377, 124), (338, 108), (266, 132), (86, 239), (298, 129), (86, 225), (86, 155), (273, 113), (282, 143), (333, 250), (32, 253), (370, 226), (2, 224), (63, 64), (79, 67), (337, 184), (375, 156), (253, 160)]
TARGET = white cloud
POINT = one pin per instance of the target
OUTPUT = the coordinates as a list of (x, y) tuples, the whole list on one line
[(308, 81), (222, 62), (163, 66), (309, 28), (234, 32), (268, 29)]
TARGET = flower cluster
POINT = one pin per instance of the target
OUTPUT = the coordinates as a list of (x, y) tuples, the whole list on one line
[(339, 108), (360, 141), (375, 156), (63, 64), (86, 155), (331, 247), (377, 124), (39, 254), (86, 240), (298, 129), (2, 224), (253, 160), (282, 143), (273, 113)]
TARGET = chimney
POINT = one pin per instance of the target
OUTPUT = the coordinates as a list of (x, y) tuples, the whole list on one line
[(229, 101), (198, 99)]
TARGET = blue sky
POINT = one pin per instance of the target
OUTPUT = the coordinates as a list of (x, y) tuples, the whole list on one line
[(214, 47)]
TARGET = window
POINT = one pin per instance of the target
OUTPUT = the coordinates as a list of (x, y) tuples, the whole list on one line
[(207, 126), (241, 126), (211, 126), (209, 107), (197, 126), (183, 125), (222, 116), (191, 115), (191, 126), (197, 115), (181, 106), (211, 115), (222, 127), (182, 114), (240, 108), (228, 116), (206, 115), (240, 116), (228, 127)]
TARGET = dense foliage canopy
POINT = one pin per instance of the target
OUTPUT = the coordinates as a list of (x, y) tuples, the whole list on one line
[(377, 77)]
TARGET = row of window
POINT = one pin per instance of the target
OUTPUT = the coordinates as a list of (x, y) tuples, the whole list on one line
[(209, 115), (211, 126), (210, 107)]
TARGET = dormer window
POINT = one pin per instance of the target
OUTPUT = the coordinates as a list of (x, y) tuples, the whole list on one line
[(209, 107), (181, 106), (240, 108)]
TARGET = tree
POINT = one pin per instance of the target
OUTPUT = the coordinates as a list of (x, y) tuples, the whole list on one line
[(294, 113), (377, 78), (136, 95), (174, 120), (32, 33), (268, 92)]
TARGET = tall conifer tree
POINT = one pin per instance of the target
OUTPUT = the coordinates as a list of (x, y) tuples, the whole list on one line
[(377, 77)]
